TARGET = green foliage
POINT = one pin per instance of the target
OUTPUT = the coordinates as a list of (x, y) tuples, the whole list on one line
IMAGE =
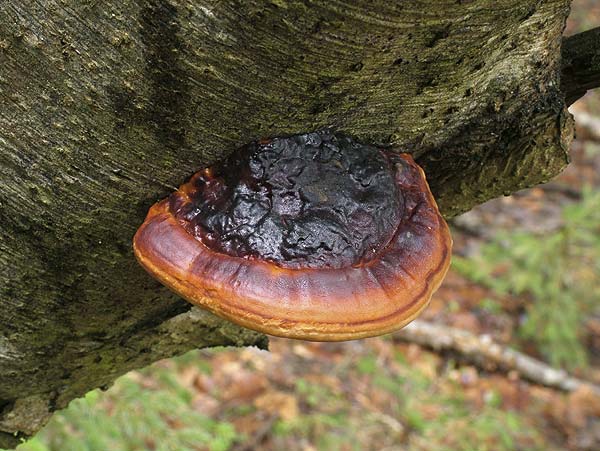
[(134, 417), (443, 419), (490, 306), (406, 406), (313, 394), (557, 271), (367, 364), (502, 426)]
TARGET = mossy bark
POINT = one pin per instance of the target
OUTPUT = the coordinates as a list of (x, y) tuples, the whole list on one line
[(108, 106)]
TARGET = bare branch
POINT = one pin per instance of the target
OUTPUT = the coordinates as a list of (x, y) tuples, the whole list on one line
[(580, 64), (482, 350)]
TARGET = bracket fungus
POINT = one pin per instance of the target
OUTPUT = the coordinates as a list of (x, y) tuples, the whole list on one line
[(312, 236)]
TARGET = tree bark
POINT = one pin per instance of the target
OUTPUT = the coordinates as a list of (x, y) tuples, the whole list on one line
[(580, 64), (108, 106)]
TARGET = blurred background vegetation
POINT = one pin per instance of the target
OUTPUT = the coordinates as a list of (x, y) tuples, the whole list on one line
[(525, 272)]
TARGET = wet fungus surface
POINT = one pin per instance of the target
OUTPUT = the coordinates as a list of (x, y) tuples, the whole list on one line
[(312, 236), (310, 201)]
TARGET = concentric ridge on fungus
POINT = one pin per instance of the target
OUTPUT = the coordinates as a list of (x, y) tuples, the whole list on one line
[(312, 236)]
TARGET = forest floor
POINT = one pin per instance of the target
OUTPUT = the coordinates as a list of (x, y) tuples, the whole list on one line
[(525, 273)]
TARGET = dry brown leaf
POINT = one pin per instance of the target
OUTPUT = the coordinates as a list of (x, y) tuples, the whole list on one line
[(582, 403), (204, 383), (278, 403), (248, 424), (326, 380), (244, 386), (187, 376), (205, 404), (465, 321)]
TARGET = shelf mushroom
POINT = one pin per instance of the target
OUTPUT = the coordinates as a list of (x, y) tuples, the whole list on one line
[(312, 236)]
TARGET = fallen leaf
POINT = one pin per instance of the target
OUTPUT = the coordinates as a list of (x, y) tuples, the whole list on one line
[(278, 403)]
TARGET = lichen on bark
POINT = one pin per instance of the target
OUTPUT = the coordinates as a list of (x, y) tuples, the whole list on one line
[(108, 106)]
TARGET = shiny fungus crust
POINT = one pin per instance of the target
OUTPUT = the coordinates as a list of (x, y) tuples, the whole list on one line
[(312, 236)]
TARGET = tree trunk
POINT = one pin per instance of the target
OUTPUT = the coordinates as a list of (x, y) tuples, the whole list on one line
[(109, 105)]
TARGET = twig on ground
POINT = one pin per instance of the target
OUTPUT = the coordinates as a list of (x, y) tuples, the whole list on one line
[(482, 350)]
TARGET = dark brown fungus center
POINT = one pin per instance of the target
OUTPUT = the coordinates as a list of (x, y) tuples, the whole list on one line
[(318, 200), (311, 236)]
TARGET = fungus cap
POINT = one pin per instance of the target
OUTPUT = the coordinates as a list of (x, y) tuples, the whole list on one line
[(312, 237)]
